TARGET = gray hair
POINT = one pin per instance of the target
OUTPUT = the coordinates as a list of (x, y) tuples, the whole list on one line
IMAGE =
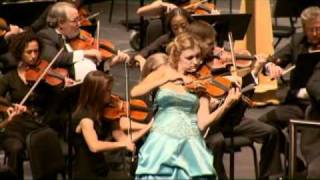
[(310, 14), (58, 13)]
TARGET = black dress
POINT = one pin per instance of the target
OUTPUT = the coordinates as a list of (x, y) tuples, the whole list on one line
[(40, 105), (88, 165)]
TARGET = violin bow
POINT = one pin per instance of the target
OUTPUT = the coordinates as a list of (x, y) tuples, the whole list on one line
[(128, 106), (98, 34), (40, 77), (230, 38)]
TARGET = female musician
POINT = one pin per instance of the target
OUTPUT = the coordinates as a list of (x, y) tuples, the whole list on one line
[(175, 145), (255, 130), (90, 131), (176, 22), (25, 48)]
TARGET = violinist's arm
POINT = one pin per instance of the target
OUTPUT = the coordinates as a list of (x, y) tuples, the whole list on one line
[(141, 60), (205, 118), (125, 124), (13, 111), (152, 81), (156, 8), (95, 145), (119, 58), (120, 136)]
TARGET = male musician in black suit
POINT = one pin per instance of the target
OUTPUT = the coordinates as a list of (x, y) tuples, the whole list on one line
[(297, 98), (63, 26), (310, 142), (234, 123)]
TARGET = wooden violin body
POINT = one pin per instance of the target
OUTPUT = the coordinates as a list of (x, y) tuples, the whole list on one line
[(138, 109), (85, 41), (200, 8), (242, 61), (54, 77)]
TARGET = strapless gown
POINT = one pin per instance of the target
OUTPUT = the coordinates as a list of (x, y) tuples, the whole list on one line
[(175, 148)]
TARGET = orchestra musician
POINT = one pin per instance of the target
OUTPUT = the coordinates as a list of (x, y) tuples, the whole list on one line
[(254, 130), (26, 48), (297, 98), (90, 130), (180, 118), (63, 26), (176, 21)]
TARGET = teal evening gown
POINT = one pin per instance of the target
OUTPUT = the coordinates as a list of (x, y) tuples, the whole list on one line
[(175, 148)]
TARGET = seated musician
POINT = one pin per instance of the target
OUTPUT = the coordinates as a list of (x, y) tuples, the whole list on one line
[(310, 136), (63, 26), (15, 84), (89, 128), (176, 21), (297, 98), (242, 126)]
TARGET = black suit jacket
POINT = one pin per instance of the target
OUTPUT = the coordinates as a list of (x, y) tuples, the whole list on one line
[(310, 142), (52, 43), (289, 54)]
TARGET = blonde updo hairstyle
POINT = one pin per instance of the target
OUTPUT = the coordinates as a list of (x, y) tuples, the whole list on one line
[(153, 62), (182, 42)]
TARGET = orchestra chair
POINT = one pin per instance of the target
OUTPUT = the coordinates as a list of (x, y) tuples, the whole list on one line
[(45, 154), (234, 144)]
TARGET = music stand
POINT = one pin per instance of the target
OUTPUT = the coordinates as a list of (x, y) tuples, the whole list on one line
[(237, 24), (25, 13)]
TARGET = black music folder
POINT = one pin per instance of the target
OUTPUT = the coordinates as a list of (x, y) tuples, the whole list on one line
[(237, 24), (304, 68)]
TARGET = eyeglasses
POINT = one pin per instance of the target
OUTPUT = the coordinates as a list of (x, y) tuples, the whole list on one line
[(75, 20), (312, 30)]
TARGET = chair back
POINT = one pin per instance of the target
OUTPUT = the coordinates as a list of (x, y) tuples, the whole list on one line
[(45, 153)]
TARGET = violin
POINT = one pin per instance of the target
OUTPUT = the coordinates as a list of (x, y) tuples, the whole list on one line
[(205, 83), (117, 108), (3, 27), (86, 41), (242, 61), (53, 77), (214, 86), (200, 8)]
